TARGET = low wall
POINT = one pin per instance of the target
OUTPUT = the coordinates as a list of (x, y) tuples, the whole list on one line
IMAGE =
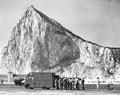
[(107, 81)]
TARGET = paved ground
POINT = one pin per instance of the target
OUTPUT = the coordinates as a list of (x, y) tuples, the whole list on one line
[(11, 89)]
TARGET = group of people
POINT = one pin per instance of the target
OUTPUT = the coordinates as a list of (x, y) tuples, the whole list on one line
[(65, 83)]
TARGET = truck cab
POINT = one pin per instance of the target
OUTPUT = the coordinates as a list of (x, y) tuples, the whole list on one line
[(39, 80), (18, 80)]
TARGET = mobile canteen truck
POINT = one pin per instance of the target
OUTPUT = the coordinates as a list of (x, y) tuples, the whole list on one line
[(43, 80)]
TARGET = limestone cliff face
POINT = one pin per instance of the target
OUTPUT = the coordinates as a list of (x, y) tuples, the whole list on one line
[(38, 43)]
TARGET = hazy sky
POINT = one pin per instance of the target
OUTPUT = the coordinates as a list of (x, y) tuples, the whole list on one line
[(94, 20)]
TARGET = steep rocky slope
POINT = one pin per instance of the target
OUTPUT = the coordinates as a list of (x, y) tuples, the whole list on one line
[(38, 43)]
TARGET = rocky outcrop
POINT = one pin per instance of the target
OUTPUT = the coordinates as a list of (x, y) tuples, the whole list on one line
[(38, 43)]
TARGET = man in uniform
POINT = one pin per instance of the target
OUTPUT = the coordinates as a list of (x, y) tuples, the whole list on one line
[(65, 83), (59, 83), (77, 84), (73, 84), (98, 83), (70, 83), (82, 83)]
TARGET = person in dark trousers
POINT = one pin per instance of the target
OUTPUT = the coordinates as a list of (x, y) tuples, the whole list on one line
[(1, 81), (77, 84), (57, 83), (70, 83), (98, 83), (73, 84), (65, 86), (82, 84), (61, 83)]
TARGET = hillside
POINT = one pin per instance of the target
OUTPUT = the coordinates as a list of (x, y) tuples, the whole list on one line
[(39, 43)]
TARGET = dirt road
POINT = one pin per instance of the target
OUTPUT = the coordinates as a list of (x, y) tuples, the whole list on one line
[(11, 89)]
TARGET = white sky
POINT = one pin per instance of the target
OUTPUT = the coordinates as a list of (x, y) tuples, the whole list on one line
[(94, 20)]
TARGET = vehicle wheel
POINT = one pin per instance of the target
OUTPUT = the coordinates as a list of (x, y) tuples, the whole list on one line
[(47, 88), (31, 87), (44, 87), (27, 86), (15, 83)]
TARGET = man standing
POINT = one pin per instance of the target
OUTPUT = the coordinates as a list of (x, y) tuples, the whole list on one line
[(61, 83), (98, 83), (70, 83), (59, 80), (57, 83), (80, 81), (65, 83), (77, 84), (82, 84)]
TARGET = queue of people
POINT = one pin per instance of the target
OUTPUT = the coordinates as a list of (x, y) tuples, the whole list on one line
[(64, 83)]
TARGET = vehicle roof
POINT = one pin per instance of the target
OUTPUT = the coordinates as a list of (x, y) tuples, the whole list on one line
[(41, 73)]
